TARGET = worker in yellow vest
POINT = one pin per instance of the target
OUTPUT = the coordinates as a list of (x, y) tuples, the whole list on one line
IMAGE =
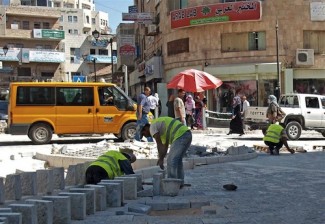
[(275, 137), (110, 165), (169, 131)]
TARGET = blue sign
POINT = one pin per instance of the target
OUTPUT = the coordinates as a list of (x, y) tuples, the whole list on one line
[(78, 78), (133, 9)]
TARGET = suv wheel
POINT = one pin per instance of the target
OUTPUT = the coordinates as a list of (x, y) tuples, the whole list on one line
[(293, 130)]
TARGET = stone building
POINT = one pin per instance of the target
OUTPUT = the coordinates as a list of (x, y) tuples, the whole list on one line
[(254, 47)]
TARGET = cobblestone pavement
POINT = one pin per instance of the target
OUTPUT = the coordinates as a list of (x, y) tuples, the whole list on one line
[(285, 189)]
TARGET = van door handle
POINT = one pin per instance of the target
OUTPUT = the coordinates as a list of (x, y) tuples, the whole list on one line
[(89, 110)]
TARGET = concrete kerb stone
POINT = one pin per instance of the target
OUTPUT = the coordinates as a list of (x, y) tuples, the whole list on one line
[(130, 187), (113, 194), (13, 187), (61, 209), (28, 183), (100, 196), (58, 176), (90, 198), (12, 217), (157, 183), (174, 204), (139, 208), (44, 210), (2, 191), (28, 211), (122, 182), (4, 220), (45, 181), (78, 205), (71, 179), (139, 180)]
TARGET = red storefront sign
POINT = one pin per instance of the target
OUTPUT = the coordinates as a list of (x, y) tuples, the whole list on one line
[(127, 50), (216, 13)]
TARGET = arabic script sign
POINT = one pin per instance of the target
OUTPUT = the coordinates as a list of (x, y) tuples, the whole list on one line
[(216, 13)]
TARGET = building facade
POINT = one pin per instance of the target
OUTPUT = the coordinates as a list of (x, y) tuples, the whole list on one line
[(254, 47)]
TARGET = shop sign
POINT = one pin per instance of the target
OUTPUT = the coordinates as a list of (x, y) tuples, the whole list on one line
[(138, 17), (216, 13), (42, 56), (127, 50), (133, 9), (48, 34)]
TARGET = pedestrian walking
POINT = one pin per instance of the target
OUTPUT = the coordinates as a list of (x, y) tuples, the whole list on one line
[(143, 109), (245, 105), (168, 131), (236, 123), (275, 137), (189, 110), (170, 106), (110, 165), (274, 113), (153, 104), (179, 107)]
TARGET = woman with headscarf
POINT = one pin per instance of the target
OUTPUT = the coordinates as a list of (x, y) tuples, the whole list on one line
[(236, 123), (189, 110), (274, 113)]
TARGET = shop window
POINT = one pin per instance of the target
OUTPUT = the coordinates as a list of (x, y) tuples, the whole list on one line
[(310, 86), (24, 71), (235, 42), (315, 40)]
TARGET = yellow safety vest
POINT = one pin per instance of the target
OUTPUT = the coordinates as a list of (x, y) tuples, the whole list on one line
[(273, 133), (173, 129), (109, 162)]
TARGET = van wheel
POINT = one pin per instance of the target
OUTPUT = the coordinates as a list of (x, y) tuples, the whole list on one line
[(128, 131), (40, 134), (293, 130)]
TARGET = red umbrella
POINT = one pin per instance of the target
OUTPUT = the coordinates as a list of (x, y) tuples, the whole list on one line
[(193, 80)]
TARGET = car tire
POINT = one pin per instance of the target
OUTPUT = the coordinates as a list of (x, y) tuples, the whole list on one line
[(128, 131), (40, 133), (293, 130)]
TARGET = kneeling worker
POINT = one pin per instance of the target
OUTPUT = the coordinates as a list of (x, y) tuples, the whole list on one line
[(110, 165), (275, 137), (168, 131)]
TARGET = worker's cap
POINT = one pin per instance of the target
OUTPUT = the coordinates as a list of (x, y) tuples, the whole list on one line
[(130, 156)]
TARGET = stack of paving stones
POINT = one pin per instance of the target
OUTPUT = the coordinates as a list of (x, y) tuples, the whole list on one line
[(49, 197)]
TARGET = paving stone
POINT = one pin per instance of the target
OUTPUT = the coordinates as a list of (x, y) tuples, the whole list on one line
[(158, 205), (175, 204), (139, 208), (12, 217)]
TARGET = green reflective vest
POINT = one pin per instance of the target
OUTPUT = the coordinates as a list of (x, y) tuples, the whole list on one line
[(273, 133), (109, 162), (173, 129)]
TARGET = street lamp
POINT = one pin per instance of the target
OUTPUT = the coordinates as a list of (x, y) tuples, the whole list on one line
[(278, 87), (95, 34), (5, 49), (111, 42)]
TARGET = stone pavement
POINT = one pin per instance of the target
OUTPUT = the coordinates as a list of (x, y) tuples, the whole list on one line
[(285, 189)]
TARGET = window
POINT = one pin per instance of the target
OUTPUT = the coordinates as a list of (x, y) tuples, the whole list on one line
[(24, 71), (112, 96), (92, 51), (75, 19), (315, 40), (47, 74), (289, 101), (37, 25), (61, 18), (312, 102), (35, 96), (70, 19), (87, 19), (232, 42), (75, 96), (177, 4), (46, 25), (102, 51), (25, 25), (93, 21)]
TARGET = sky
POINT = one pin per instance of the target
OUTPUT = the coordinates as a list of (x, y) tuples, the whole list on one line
[(114, 8)]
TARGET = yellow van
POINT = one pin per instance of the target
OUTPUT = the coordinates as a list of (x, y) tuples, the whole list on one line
[(40, 109)]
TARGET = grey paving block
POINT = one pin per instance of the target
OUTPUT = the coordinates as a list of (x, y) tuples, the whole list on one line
[(139, 180), (139, 208), (61, 209), (12, 217), (4, 220), (130, 187), (90, 198), (178, 204), (157, 205), (78, 204), (113, 194), (198, 203), (100, 196), (5, 210), (45, 181), (58, 176), (123, 183), (2, 191), (145, 193), (209, 210), (13, 187), (28, 211), (44, 210), (28, 183)]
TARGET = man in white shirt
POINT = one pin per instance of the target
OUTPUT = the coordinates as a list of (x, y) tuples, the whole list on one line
[(153, 104), (179, 107), (244, 109)]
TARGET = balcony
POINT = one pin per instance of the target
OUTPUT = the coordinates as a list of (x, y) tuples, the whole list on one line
[(33, 11), (40, 34)]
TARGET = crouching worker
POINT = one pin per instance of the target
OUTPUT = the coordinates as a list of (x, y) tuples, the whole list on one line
[(110, 165), (275, 137), (168, 131)]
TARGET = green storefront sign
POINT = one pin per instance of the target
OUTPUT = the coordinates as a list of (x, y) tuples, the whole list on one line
[(53, 34)]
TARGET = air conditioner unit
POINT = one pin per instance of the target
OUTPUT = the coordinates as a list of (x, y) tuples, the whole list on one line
[(305, 57), (152, 30)]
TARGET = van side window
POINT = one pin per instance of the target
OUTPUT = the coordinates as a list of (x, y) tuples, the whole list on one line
[(75, 96), (312, 102), (35, 96)]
